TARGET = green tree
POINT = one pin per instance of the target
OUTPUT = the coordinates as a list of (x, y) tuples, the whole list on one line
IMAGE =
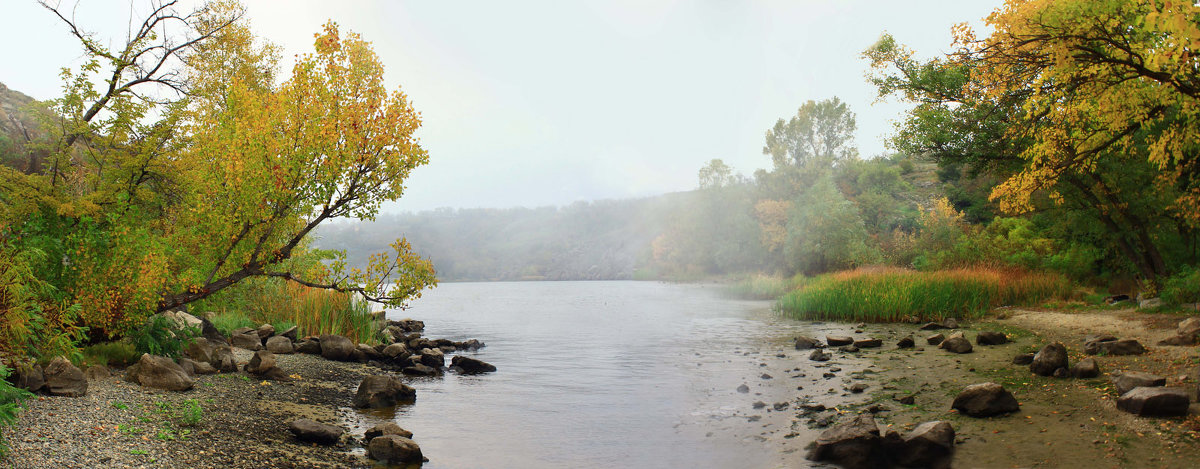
[(825, 232), (820, 133)]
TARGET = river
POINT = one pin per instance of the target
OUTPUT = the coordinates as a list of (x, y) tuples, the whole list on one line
[(614, 374)]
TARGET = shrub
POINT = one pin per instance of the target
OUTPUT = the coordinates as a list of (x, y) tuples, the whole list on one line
[(119, 353), (162, 336), (889, 294), (1181, 288), (11, 398)]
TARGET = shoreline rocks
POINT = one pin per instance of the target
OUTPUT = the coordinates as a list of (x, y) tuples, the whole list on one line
[(153, 371), (985, 400)]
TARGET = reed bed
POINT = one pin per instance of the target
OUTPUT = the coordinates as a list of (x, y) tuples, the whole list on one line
[(893, 294), (763, 287), (284, 304)]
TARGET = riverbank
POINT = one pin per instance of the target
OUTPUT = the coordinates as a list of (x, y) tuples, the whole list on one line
[(1060, 419)]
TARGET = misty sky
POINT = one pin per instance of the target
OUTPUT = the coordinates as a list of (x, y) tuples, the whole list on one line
[(550, 102)]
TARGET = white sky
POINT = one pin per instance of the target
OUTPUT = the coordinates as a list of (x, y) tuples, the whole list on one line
[(550, 102)]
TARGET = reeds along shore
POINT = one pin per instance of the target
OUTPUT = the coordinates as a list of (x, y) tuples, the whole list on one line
[(894, 294)]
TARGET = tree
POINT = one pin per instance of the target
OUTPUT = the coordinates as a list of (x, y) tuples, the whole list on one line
[(1078, 106), (716, 174), (825, 232), (820, 133), (152, 203)]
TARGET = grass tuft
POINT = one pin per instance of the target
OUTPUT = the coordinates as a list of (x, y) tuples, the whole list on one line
[(893, 294), (763, 287)]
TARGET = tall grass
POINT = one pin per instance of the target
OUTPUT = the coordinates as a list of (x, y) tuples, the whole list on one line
[(284, 304), (892, 294), (763, 287)]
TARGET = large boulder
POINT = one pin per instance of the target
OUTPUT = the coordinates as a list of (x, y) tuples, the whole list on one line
[(852, 445), (369, 352), (1049, 359), (985, 400), (433, 358), (280, 344), (956, 343), (29, 376), (247, 339), (153, 371), (336, 347), (260, 362), (1127, 381), (382, 391), (1113, 347), (200, 349), (394, 449), (1155, 402), (470, 365), (309, 345), (224, 360), (930, 445), (396, 350), (64, 379), (386, 428), (991, 338), (315, 432), (805, 343), (182, 319)]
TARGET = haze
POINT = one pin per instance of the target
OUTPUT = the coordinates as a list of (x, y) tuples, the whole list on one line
[(547, 103)]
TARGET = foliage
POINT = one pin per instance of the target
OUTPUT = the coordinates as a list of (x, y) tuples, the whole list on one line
[(147, 202), (890, 294), (1182, 288), (34, 320), (11, 398), (161, 336), (820, 133), (826, 232), (227, 321), (763, 287), (284, 304), (116, 353)]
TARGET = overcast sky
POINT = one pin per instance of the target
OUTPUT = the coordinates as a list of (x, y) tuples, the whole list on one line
[(550, 102)]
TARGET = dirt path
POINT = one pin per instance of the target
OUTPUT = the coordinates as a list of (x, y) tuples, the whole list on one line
[(1062, 421)]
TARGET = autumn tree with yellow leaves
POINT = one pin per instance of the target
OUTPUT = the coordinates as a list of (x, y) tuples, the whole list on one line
[(188, 168)]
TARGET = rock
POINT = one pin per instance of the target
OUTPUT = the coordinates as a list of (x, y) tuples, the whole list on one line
[(991, 338), (1061, 373), (849, 348), (210, 332), (471, 344), (280, 344), (183, 319), (985, 400), (1188, 327), (224, 360), (197, 368), (1113, 347), (1178, 340), (858, 388), (188, 365), (868, 343), (931, 326), (470, 365), (153, 371), (408, 325), (956, 343), (935, 339), (1023, 359), (950, 323), (906, 342), (852, 445), (1114, 299), (1086, 368), (907, 400), (394, 449), (97, 372), (819, 355), (835, 340), (1125, 382), (265, 331), (1049, 358), (336, 347), (433, 358), (261, 362), (369, 352), (201, 350), (1155, 402), (929, 445), (382, 391), (805, 343), (743, 389), (314, 432), (246, 339), (64, 379), (419, 370), (28, 376), (290, 333), (311, 346), (395, 350), (386, 428), (1149, 303)]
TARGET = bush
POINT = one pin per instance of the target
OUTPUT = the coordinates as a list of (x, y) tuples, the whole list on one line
[(11, 398), (162, 336), (1182, 288), (120, 353), (899, 294)]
